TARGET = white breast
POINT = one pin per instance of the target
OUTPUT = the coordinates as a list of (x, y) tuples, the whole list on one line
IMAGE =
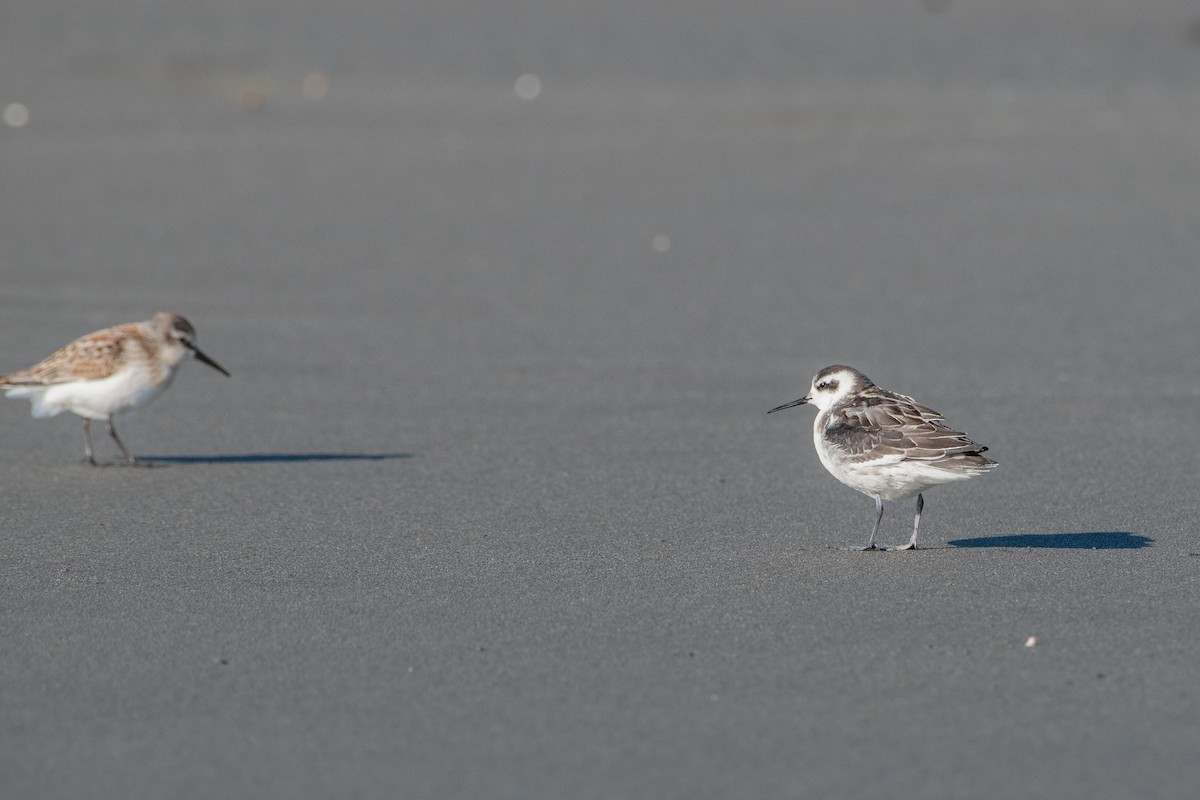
[(126, 390), (889, 477)]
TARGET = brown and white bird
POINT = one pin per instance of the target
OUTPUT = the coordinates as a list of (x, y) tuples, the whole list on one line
[(884, 444), (108, 373)]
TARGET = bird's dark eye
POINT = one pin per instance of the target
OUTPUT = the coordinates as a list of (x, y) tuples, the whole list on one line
[(830, 385), (822, 385)]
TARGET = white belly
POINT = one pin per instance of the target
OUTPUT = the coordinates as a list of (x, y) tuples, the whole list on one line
[(121, 393), (890, 478)]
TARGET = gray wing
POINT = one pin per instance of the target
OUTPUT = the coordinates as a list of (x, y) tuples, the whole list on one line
[(882, 425)]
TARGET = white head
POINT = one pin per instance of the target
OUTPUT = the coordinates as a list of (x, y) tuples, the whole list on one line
[(831, 386), (180, 339)]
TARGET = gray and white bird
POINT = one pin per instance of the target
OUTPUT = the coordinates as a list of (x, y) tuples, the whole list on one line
[(884, 444), (108, 373)]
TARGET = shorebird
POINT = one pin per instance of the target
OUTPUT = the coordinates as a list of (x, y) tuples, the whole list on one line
[(107, 373), (885, 445)]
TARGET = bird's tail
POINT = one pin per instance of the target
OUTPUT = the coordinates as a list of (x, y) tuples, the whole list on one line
[(973, 461), (34, 393)]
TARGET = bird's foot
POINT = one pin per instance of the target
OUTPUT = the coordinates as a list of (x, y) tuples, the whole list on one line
[(91, 462), (898, 547), (862, 548)]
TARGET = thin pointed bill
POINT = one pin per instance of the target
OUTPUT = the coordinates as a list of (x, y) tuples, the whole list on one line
[(792, 404), (201, 357)]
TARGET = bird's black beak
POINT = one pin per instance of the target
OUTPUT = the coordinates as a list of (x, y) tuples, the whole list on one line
[(792, 404), (201, 357)]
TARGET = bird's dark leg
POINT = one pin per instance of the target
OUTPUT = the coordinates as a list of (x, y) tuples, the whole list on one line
[(89, 456), (870, 545), (912, 543), (113, 433)]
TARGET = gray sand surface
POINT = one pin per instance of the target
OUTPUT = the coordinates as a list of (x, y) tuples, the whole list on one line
[(490, 507)]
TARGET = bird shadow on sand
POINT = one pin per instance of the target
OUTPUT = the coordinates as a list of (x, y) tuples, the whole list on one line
[(1093, 540), (270, 458)]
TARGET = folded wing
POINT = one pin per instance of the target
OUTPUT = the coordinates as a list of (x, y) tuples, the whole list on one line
[(889, 428)]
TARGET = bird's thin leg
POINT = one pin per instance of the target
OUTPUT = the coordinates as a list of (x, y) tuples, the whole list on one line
[(912, 543), (870, 545), (113, 433), (88, 456)]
